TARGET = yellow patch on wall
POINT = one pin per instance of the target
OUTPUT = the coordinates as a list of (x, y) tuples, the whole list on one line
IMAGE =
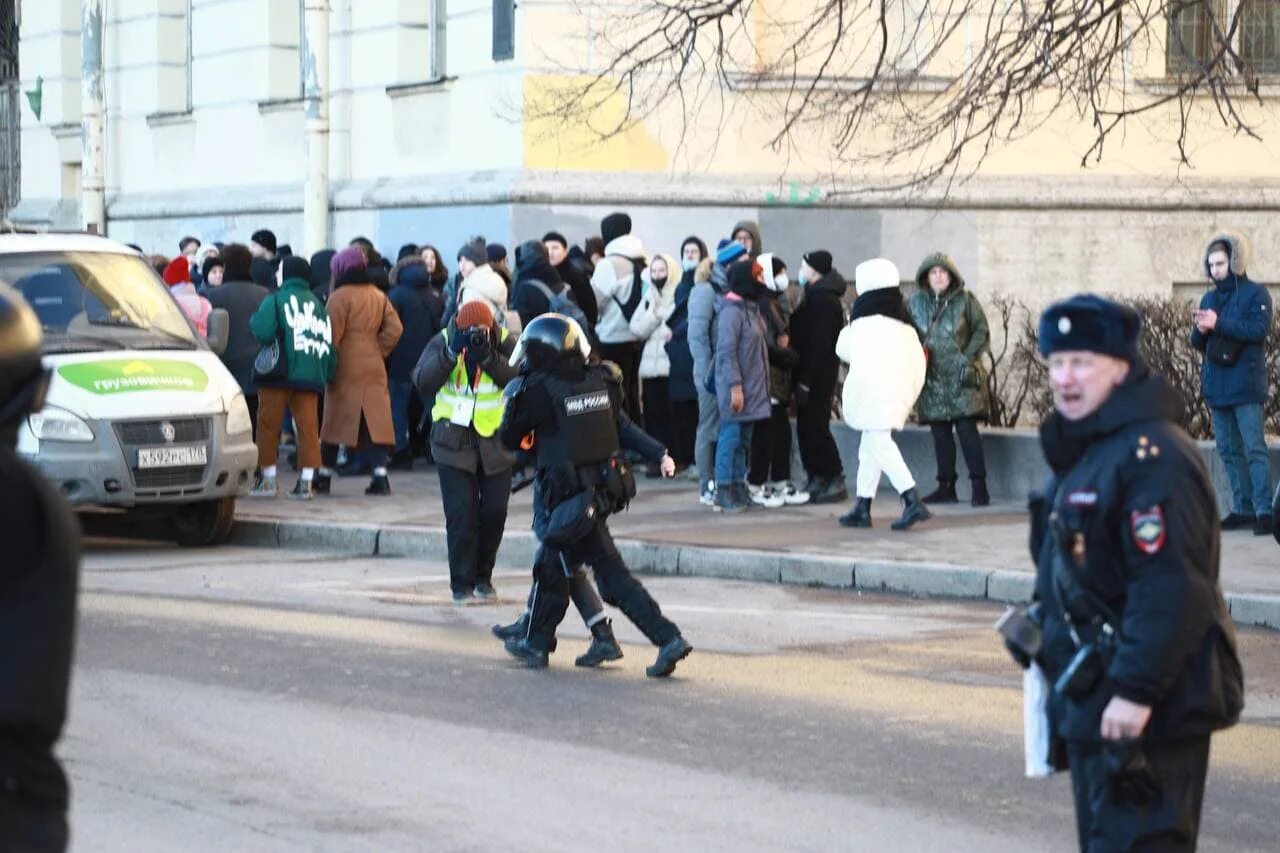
[(551, 144)]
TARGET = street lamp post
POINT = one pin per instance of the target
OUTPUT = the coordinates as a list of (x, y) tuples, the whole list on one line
[(93, 208), (315, 93)]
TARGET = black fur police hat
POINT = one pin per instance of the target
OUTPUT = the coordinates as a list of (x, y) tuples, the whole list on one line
[(1091, 324)]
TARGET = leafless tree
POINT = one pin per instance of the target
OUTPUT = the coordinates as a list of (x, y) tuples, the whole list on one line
[(942, 83)]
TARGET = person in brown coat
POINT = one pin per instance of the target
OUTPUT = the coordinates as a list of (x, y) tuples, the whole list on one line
[(357, 403)]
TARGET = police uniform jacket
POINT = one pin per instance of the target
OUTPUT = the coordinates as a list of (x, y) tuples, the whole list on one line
[(1130, 513), (38, 580)]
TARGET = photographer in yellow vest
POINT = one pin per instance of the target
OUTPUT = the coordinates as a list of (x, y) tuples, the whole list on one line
[(464, 369)]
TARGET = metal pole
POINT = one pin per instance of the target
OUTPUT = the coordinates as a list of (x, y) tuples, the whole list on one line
[(93, 160), (315, 93)]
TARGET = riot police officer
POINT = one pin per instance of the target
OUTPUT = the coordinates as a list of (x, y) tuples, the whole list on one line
[(38, 579), (1135, 638), (567, 407), (604, 645)]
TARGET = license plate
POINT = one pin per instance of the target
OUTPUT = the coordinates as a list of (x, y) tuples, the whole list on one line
[(172, 457)]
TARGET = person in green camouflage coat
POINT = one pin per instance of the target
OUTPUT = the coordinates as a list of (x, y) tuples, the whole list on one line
[(953, 328)]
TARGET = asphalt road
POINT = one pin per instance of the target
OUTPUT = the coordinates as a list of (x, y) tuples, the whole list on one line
[(273, 700)]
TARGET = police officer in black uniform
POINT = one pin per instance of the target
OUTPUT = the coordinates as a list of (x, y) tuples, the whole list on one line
[(38, 578), (568, 408), (1136, 640), (604, 645)]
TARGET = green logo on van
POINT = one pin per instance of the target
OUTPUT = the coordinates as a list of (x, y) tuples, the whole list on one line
[(119, 376)]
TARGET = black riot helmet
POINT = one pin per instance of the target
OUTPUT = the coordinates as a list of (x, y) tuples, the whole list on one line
[(23, 380), (546, 339)]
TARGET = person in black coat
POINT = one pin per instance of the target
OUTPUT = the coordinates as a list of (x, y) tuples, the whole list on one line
[(533, 265), (575, 274), (681, 388), (38, 585), (241, 298), (815, 326), (1136, 638), (420, 309)]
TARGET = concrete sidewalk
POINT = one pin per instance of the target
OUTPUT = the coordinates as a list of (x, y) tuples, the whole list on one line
[(963, 552)]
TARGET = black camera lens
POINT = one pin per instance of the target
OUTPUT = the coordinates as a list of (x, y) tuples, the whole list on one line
[(478, 337)]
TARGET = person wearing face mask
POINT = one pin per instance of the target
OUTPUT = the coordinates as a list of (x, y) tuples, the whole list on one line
[(769, 479), (681, 387), (953, 328), (651, 323), (741, 381), (815, 326)]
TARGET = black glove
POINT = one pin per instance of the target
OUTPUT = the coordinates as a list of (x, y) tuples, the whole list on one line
[(1131, 779), (457, 342), (802, 395), (480, 350)]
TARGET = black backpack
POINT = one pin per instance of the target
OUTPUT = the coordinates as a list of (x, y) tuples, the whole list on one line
[(629, 307)]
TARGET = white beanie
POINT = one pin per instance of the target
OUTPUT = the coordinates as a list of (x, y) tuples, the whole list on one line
[(875, 274)]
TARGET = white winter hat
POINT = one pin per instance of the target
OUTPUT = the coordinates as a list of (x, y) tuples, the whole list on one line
[(875, 274)]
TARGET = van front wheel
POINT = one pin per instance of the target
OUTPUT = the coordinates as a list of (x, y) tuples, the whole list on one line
[(201, 525)]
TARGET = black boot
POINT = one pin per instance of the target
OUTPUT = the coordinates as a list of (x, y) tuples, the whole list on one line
[(604, 646), (859, 516), (944, 494), (379, 485), (980, 495), (533, 658), (668, 656), (321, 483), (401, 460), (913, 510), (515, 630)]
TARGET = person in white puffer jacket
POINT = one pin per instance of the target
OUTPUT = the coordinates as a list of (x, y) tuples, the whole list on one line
[(886, 372), (649, 323)]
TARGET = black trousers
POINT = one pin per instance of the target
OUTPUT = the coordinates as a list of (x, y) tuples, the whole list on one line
[(618, 587), (31, 827), (376, 454), (771, 449), (944, 448), (1168, 825), (684, 428), (581, 591), (627, 357), (475, 516), (657, 409), (818, 451)]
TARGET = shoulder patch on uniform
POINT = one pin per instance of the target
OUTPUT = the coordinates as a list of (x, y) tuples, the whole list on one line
[(1147, 526)]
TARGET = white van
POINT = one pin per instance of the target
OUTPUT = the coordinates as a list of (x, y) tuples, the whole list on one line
[(141, 414)]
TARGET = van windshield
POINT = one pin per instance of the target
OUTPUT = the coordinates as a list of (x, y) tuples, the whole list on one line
[(90, 301)]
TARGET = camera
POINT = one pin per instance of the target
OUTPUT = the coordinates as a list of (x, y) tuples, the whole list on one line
[(477, 337)]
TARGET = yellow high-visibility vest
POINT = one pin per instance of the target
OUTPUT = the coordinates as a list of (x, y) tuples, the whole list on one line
[(457, 394)]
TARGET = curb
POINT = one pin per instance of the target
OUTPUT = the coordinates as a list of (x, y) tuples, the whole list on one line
[(926, 580)]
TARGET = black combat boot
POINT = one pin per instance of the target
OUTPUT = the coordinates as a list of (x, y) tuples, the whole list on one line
[(980, 495), (944, 494), (532, 658), (859, 516), (668, 656), (913, 510), (379, 485), (515, 630), (604, 646), (321, 483)]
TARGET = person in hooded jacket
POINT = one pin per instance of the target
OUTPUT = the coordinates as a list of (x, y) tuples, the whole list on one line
[(420, 309), (533, 268), (815, 327), (240, 298), (618, 284), (681, 387), (197, 308), (321, 276), (747, 235), (1231, 329), (575, 272), (211, 274), (294, 316), (769, 478), (953, 327), (886, 372), (476, 280), (1135, 641), (741, 381), (39, 578), (357, 409), (651, 322)]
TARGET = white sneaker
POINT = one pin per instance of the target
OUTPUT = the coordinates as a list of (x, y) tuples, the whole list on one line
[(790, 495), (708, 498), (765, 497)]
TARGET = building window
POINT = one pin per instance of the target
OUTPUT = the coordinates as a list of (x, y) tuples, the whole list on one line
[(1198, 27), (504, 30)]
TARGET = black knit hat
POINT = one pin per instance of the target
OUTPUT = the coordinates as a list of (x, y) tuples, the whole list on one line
[(1091, 324), (295, 267), (265, 239), (613, 226), (555, 237), (819, 261)]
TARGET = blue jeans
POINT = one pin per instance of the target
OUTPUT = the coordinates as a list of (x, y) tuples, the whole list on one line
[(731, 452), (401, 392), (1238, 433)]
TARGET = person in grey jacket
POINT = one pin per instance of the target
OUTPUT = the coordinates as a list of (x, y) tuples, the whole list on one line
[(741, 382), (702, 309), (240, 298)]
